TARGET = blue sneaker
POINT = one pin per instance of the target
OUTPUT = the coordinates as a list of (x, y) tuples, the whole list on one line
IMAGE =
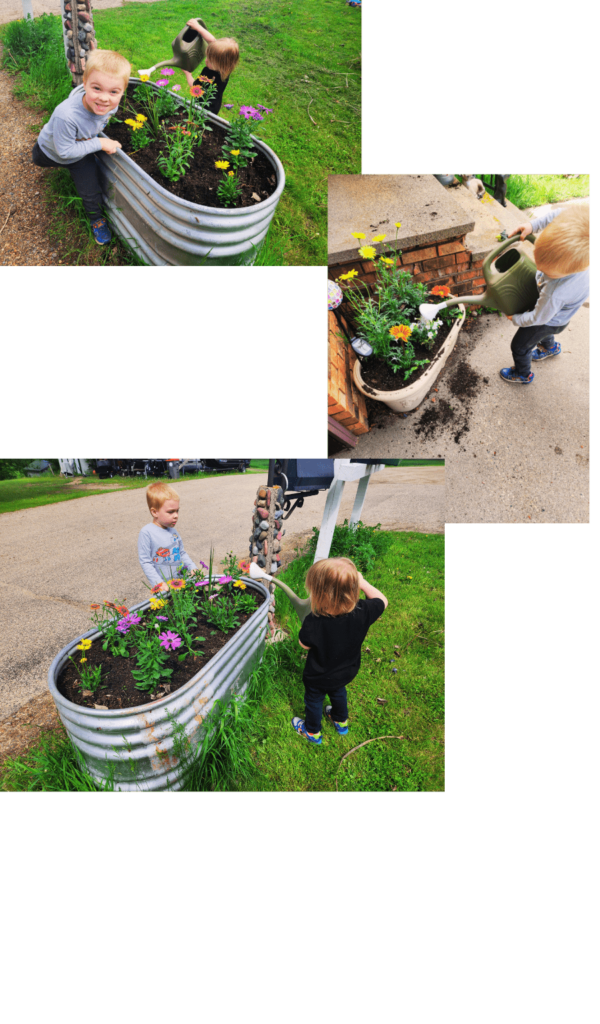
[(101, 231), (511, 376), (298, 724), (546, 353), (340, 727)]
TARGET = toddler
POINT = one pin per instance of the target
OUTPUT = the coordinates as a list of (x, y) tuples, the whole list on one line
[(70, 138), (333, 633), (222, 56), (561, 254), (160, 548)]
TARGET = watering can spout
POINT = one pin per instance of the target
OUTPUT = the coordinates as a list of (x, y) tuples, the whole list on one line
[(189, 51), (301, 605)]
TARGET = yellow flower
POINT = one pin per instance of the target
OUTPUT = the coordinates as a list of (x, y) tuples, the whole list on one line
[(230, 174), (130, 121), (222, 165), (156, 603), (348, 276), (367, 252), (144, 78), (238, 583), (379, 238), (141, 117), (397, 225), (234, 152), (409, 577), (84, 645), (358, 234), (387, 261)]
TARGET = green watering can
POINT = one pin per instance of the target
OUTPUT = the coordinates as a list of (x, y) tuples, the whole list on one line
[(189, 51), (510, 282), (301, 605)]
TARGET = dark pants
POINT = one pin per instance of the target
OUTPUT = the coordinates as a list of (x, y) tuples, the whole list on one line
[(528, 338), (86, 178), (313, 704)]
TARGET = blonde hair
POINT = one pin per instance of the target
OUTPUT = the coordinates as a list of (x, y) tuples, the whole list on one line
[(157, 494), (223, 55), (333, 586), (563, 247), (109, 62)]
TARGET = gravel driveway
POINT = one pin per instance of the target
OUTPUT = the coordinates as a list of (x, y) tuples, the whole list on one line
[(58, 558)]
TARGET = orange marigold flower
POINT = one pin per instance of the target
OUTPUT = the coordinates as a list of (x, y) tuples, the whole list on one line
[(94, 607), (177, 584), (401, 332), (122, 610), (109, 604), (440, 289), (244, 564), (155, 589), (196, 90)]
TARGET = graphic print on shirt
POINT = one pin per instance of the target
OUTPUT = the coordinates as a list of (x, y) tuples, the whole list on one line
[(168, 554)]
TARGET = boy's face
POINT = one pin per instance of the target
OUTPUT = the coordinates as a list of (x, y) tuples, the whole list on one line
[(167, 514), (102, 92)]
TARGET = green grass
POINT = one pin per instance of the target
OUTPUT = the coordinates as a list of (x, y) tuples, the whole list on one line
[(23, 492), (281, 45), (526, 190), (252, 746)]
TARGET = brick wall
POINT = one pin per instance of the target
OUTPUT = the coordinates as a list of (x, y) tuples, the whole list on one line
[(345, 402), (447, 263)]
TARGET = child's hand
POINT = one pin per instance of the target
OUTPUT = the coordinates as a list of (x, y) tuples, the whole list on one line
[(525, 230), (193, 23), (508, 317), (110, 146)]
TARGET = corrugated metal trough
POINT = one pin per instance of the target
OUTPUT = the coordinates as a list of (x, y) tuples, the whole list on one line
[(167, 231), (137, 743)]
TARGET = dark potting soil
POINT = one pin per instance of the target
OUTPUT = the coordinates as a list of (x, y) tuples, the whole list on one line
[(464, 384), (199, 184), (118, 687)]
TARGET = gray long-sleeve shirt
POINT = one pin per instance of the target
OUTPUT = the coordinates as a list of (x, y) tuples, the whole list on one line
[(560, 298), (161, 553), (72, 132)]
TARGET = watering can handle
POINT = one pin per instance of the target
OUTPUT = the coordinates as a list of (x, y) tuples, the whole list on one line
[(504, 245)]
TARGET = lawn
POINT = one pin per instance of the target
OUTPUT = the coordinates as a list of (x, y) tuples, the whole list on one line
[(396, 702), (301, 60), (46, 489), (530, 190)]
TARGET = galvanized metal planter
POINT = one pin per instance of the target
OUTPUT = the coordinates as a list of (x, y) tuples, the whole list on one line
[(137, 743), (167, 231)]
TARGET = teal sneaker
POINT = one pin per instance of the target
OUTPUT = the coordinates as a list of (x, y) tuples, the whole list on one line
[(546, 353), (340, 727), (312, 737)]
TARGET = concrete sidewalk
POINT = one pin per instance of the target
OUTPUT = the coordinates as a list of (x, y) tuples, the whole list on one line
[(59, 558), (514, 454)]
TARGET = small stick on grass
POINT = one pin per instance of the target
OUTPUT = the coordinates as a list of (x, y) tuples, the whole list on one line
[(371, 741), (10, 210), (309, 114)]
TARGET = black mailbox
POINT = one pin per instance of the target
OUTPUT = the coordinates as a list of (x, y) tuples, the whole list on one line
[(304, 474)]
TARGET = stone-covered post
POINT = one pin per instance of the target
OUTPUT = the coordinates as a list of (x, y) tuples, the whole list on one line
[(265, 539), (79, 35)]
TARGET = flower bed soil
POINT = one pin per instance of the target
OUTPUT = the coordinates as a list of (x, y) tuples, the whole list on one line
[(199, 184), (118, 687)]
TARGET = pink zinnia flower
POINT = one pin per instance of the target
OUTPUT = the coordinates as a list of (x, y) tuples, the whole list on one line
[(168, 71), (226, 579), (162, 81), (175, 88)]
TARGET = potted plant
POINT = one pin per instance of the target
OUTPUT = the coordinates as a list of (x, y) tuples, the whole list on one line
[(407, 352), (189, 188), (134, 692)]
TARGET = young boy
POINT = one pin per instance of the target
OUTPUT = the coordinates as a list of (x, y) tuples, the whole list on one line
[(160, 548), (561, 254), (70, 138), (333, 634), (222, 56)]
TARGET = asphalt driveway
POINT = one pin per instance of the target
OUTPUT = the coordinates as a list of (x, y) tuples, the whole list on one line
[(59, 558)]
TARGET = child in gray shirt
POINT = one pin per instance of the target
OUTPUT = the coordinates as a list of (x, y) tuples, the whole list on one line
[(160, 547)]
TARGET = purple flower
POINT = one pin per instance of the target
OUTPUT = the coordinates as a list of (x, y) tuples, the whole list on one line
[(169, 640), (163, 618), (161, 82), (201, 583), (168, 71), (228, 106), (123, 626), (226, 579), (175, 88), (250, 112), (127, 622), (265, 110), (203, 564)]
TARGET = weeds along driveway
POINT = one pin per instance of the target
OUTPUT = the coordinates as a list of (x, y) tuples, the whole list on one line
[(58, 558)]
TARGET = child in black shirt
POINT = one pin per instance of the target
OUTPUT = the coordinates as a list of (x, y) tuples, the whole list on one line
[(222, 56), (333, 634)]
